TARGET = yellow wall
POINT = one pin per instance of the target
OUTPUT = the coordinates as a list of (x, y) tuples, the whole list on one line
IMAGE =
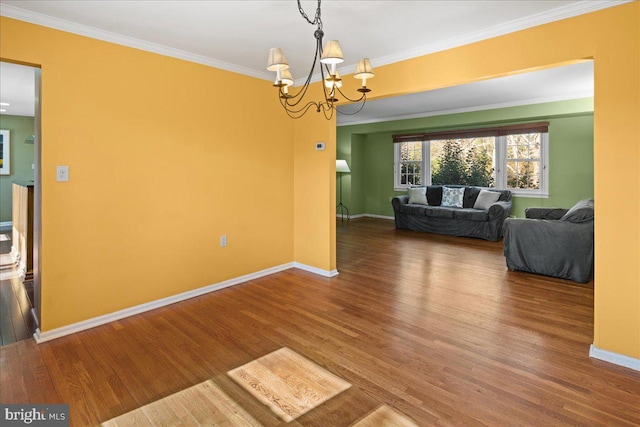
[(314, 191), (117, 116), (165, 156), (612, 38)]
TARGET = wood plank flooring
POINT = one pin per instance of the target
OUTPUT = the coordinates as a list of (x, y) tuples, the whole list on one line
[(433, 327), (16, 321)]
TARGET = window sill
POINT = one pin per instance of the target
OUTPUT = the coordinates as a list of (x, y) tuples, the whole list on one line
[(536, 195)]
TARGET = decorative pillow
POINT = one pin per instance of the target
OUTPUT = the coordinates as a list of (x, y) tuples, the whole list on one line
[(580, 212), (486, 199), (452, 197), (418, 196), (434, 195)]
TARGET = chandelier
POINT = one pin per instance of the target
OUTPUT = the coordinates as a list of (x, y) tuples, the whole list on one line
[(330, 56)]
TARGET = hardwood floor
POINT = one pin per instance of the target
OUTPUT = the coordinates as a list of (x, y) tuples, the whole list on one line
[(16, 322), (433, 327)]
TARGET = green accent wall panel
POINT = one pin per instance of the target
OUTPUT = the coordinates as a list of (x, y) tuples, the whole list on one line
[(369, 148), (21, 156)]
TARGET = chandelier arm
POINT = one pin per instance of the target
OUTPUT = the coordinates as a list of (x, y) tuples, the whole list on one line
[(296, 114), (303, 90), (363, 96), (328, 108), (304, 109), (355, 112)]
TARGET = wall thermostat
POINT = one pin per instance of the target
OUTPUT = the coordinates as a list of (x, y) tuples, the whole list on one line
[(320, 146)]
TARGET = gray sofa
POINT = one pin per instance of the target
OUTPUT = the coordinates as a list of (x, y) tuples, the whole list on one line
[(464, 221), (552, 241)]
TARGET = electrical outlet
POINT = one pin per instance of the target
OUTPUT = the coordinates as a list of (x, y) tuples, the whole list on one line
[(223, 241)]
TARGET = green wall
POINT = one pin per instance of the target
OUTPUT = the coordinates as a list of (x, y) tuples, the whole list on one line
[(368, 149), (21, 156)]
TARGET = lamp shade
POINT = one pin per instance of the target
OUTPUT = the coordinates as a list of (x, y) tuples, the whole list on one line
[(363, 69), (277, 60), (342, 166), (286, 78), (332, 54)]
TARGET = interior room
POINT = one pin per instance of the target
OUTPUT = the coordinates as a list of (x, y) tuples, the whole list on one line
[(190, 266)]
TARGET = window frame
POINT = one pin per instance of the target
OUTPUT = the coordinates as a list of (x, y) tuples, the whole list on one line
[(500, 161)]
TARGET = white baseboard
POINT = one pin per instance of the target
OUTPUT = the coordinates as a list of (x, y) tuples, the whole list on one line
[(6, 225), (380, 216), (615, 358), (315, 270), (367, 216), (41, 337)]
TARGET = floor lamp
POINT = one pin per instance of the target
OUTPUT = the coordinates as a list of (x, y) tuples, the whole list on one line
[(342, 167)]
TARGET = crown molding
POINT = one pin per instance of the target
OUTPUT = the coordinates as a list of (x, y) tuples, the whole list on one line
[(13, 12), (575, 9), (556, 14), (542, 18)]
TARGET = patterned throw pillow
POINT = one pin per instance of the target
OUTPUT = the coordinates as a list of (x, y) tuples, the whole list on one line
[(452, 197), (418, 195)]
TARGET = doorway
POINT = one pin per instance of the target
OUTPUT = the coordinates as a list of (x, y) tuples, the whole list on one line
[(20, 195)]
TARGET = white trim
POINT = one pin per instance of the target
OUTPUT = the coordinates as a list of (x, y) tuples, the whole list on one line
[(615, 358), (365, 215), (315, 270), (6, 225), (380, 216), (531, 195), (556, 14), (41, 337), (95, 33), (351, 216), (546, 17)]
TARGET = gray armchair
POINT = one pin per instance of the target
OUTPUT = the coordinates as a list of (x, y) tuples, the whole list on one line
[(551, 241)]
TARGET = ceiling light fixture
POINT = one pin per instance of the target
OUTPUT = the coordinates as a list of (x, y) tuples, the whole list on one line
[(4, 104), (329, 58)]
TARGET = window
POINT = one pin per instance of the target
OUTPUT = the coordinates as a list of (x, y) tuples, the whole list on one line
[(508, 157), (410, 163)]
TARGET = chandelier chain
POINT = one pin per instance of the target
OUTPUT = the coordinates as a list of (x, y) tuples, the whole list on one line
[(316, 20)]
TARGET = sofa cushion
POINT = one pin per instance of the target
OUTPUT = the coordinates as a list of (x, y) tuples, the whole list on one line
[(434, 195), (413, 209), (485, 199), (417, 195), (471, 214), (453, 197), (580, 212), (440, 212)]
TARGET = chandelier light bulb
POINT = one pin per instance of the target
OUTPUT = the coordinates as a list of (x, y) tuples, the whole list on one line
[(332, 81), (364, 71)]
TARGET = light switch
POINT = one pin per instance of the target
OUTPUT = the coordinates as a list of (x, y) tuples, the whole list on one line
[(62, 173)]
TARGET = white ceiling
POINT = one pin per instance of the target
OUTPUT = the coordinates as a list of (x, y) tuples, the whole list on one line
[(555, 84), (17, 88), (236, 35)]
